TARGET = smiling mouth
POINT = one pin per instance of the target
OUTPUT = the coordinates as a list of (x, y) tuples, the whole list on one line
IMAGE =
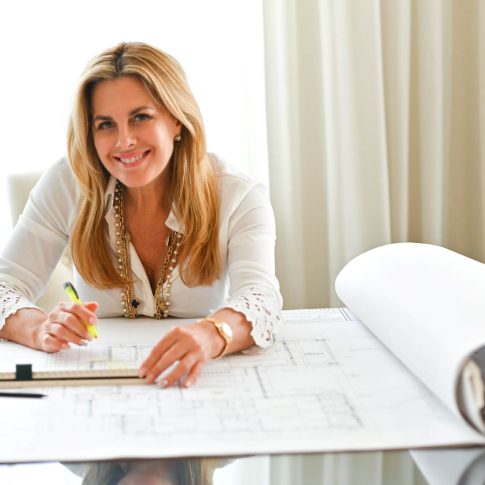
[(131, 161)]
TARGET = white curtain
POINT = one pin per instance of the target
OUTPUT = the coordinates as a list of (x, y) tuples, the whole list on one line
[(376, 132)]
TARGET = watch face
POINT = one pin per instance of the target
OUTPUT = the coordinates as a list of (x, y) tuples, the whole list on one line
[(226, 329)]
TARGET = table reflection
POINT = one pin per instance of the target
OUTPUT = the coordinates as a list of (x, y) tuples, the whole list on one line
[(452, 467), (192, 471), (415, 467)]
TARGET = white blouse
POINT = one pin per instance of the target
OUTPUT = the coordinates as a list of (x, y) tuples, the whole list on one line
[(246, 239)]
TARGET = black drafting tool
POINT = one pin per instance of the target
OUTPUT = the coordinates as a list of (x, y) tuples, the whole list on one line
[(22, 394)]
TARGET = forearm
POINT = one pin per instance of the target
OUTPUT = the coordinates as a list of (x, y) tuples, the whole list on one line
[(24, 326)]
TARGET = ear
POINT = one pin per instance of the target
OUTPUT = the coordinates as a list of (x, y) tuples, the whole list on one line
[(179, 126)]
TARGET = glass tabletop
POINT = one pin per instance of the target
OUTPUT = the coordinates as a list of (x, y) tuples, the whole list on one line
[(408, 467)]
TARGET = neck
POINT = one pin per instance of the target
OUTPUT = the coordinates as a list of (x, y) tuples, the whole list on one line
[(150, 198)]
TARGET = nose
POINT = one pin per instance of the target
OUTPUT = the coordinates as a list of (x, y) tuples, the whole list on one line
[(126, 138)]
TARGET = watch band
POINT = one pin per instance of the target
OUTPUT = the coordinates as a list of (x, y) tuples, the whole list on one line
[(225, 331)]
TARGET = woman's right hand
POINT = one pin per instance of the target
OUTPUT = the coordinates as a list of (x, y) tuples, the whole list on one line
[(66, 324)]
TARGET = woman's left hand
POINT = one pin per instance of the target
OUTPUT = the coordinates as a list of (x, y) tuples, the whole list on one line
[(191, 346)]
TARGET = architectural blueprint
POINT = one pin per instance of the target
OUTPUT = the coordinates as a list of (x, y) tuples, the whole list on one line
[(324, 386)]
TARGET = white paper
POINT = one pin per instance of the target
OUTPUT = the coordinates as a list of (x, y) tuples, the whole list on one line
[(322, 387), (321, 315), (425, 303), (96, 356)]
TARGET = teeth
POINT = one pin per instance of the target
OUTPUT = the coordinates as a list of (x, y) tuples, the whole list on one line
[(132, 159)]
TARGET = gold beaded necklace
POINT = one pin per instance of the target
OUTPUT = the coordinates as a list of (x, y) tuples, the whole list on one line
[(129, 302)]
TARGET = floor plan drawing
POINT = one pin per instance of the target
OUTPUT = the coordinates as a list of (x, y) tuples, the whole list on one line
[(322, 386)]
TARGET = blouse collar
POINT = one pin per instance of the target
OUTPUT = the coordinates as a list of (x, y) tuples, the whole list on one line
[(172, 222)]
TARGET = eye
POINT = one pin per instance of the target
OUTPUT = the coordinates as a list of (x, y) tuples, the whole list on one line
[(104, 125), (141, 117)]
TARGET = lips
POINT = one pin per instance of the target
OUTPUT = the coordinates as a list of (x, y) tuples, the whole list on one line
[(132, 159)]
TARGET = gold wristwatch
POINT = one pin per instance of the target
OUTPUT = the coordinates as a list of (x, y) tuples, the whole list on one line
[(225, 331)]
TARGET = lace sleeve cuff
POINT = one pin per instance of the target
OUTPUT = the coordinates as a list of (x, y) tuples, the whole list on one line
[(262, 309), (11, 300)]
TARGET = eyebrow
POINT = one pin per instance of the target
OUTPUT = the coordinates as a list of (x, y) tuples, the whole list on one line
[(131, 113)]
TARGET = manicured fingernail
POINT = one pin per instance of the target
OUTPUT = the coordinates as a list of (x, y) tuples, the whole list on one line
[(83, 343), (187, 383), (142, 373), (163, 383), (65, 345), (92, 320)]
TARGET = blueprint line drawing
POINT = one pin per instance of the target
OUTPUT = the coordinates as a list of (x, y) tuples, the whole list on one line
[(329, 386)]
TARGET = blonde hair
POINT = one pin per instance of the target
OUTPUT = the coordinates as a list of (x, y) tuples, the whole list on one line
[(194, 187), (194, 471)]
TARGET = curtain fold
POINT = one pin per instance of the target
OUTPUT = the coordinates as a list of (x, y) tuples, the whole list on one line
[(375, 132)]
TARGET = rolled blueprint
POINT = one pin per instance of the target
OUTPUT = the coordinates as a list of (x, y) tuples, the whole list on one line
[(427, 305)]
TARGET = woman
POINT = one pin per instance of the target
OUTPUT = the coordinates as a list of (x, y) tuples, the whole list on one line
[(195, 471), (156, 226)]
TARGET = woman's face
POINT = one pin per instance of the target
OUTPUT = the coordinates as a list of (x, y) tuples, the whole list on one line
[(148, 472), (133, 136)]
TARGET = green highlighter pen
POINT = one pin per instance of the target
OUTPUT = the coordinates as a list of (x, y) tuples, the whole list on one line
[(73, 296)]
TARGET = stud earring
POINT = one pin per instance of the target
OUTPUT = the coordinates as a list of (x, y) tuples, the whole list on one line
[(177, 138)]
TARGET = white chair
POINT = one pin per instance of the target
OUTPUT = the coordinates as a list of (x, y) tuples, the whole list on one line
[(19, 187)]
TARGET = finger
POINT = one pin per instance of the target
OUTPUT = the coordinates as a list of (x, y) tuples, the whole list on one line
[(175, 353), (83, 312), (61, 331), (194, 373), (72, 322), (160, 349), (69, 321), (91, 324), (92, 305), (184, 366), (49, 343)]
